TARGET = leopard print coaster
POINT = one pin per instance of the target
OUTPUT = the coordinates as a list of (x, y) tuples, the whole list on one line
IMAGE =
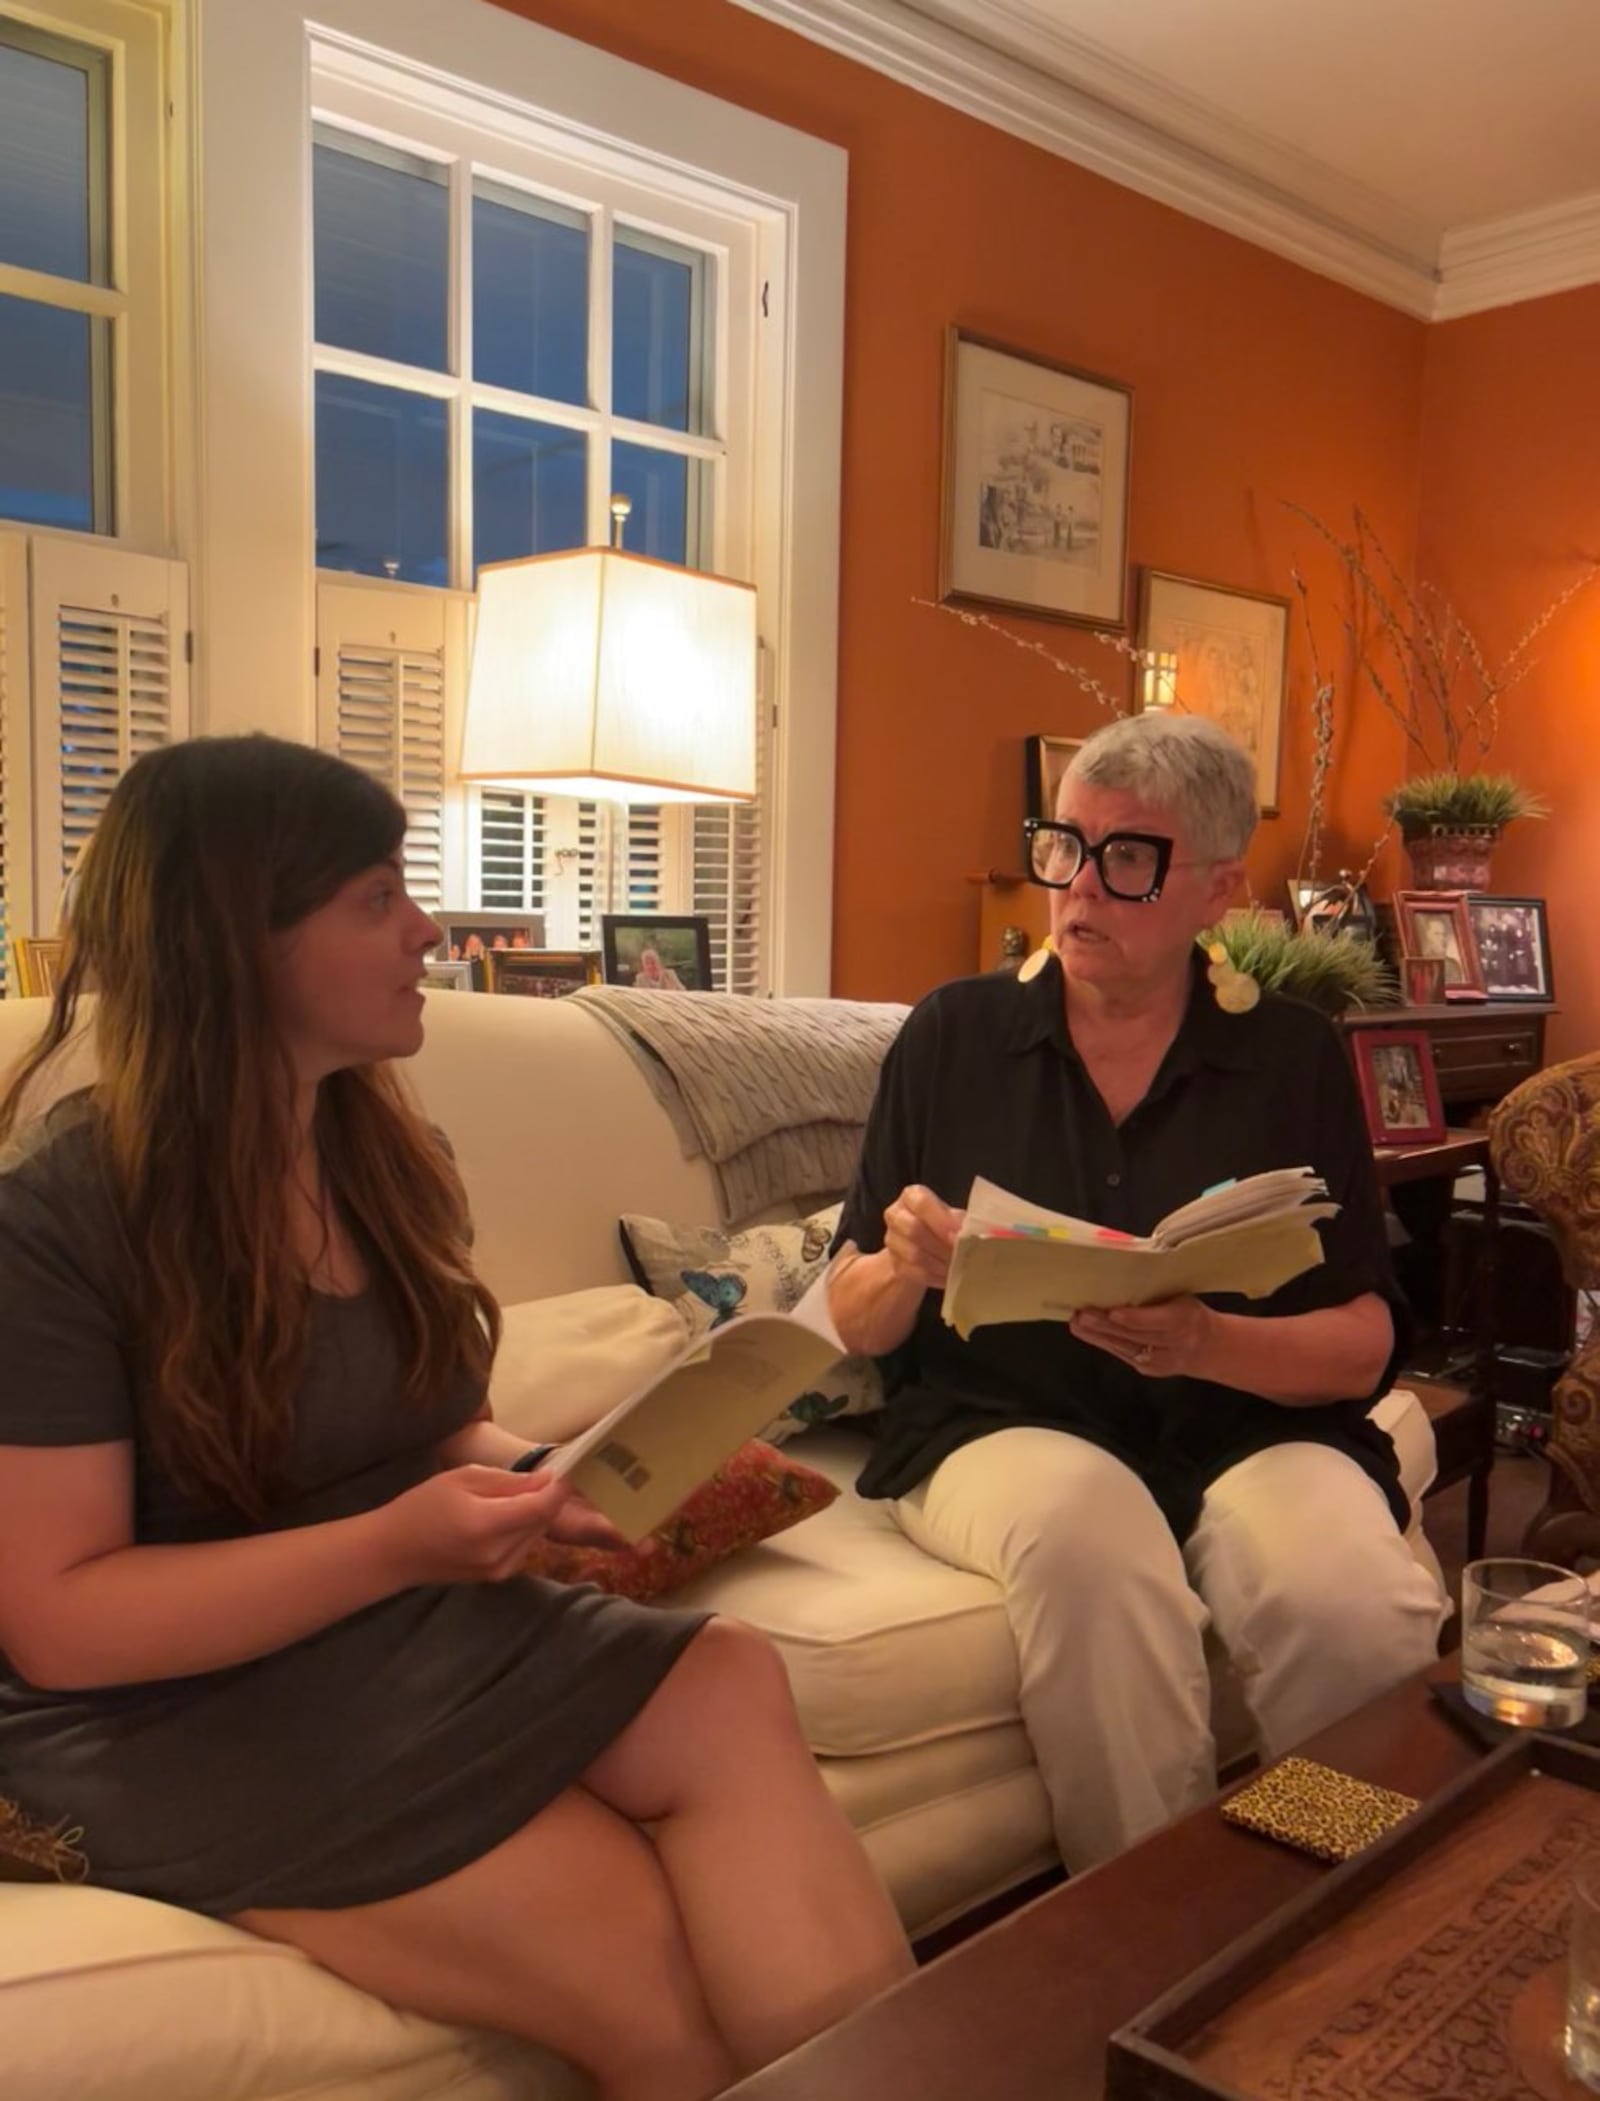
[(1323, 1812)]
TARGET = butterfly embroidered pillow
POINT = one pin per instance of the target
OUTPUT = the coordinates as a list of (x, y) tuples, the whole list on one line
[(710, 1275)]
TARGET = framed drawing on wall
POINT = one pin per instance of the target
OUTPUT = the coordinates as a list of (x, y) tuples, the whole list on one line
[(1046, 759), (1035, 497), (1220, 653)]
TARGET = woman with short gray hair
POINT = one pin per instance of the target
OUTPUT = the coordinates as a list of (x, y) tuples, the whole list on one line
[(1139, 1473)]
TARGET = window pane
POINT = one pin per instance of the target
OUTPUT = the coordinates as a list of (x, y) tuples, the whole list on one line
[(529, 488), (656, 335), (49, 373), (382, 254), (530, 296), (661, 486), (382, 481), (52, 203)]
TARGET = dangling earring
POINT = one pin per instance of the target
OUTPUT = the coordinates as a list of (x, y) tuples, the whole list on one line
[(1036, 962), (1236, 990)]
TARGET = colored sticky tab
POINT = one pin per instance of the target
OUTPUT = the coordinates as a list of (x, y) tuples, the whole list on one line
[(1230, 1183)]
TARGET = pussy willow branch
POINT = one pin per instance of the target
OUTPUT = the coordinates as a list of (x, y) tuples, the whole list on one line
[(1085, 680)]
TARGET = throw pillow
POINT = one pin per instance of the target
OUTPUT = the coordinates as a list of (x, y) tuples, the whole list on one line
[(564, 1362), (753, 1496), (710, 1275)]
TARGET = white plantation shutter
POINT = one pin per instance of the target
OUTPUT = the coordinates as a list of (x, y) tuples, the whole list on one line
[(15, 860), (110, 649), (511, 860), (593, 845), (639, 881), (384, 662), (729, 873)]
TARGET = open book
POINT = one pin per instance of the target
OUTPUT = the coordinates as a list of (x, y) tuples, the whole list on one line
[(1016, 1261), (637, 1464)]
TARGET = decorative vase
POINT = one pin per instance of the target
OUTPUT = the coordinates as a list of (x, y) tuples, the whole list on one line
[(1451, 856)]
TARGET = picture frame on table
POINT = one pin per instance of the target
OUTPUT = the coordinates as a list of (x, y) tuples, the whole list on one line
[(468, 935), (657, 951), (1034, 498), (1513, 942), (542, 973), (1219, 652), (38, 959), (1399, 1086), (1045, 760), (1338, 907), (1437, 923), (440, 974)]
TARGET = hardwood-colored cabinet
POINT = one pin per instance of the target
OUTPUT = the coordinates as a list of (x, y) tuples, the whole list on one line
[(1481, 1049)]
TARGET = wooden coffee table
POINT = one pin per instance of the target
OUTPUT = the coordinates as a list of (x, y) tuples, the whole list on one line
[(1022, 2012)]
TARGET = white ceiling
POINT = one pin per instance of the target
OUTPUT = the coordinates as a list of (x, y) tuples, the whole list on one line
[(1444, 154)]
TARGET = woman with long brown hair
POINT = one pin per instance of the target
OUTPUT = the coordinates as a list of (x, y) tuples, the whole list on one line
[(263, 1628)]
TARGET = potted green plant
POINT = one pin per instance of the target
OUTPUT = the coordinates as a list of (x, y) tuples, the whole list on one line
[(1450, 822), (1332, 973)]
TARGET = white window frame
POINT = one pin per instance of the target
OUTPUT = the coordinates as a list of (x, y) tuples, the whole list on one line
[(144, 70), (262, 67)]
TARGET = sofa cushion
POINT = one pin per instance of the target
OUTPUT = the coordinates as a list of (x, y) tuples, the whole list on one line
[(710, 1275), (565, 1362), (104, 1997), (753, 1496)]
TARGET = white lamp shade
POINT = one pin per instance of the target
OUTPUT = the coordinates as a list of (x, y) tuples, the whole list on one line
[(608, 675)]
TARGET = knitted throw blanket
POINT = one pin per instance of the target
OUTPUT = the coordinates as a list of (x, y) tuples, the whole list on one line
[(774, 1093)]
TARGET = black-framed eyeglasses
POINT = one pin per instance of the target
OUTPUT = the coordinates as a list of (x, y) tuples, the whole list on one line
[(1132, 866)]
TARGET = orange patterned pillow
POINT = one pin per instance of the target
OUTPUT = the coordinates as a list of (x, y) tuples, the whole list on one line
[(756, 1494)]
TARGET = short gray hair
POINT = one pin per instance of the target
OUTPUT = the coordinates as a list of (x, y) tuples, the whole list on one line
[(1183, 765)]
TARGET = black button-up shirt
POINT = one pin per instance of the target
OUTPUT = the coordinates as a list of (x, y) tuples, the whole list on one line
[(984, 1080)]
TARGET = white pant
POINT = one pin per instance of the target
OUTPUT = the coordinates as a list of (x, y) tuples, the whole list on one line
[(1295, 1562)]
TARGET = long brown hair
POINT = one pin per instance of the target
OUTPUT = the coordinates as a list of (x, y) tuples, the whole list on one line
[(206, 849)]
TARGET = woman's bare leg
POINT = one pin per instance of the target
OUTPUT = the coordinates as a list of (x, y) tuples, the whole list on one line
[(566, 1935), (787, 1922)]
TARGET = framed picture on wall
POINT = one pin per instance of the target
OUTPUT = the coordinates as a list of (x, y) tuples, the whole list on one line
[(38, 964), (1513, 942), (1045, 760), (1035, 497), (1221, 653), (1399, 1087)]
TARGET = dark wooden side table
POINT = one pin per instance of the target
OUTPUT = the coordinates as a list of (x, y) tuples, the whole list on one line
[(1463, 1418), (1481, 1048)]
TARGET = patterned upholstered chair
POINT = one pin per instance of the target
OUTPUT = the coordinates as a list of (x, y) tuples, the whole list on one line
[(1545, 1138)]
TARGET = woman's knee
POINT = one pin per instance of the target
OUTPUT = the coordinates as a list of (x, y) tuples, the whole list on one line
[(731, 1671)]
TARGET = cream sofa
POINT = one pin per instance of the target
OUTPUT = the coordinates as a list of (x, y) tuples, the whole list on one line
[(904, 1669)]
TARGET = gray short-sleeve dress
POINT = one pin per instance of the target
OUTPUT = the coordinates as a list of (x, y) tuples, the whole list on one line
[(386, 1751)]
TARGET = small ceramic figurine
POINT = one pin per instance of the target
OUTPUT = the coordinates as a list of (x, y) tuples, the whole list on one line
[(1013, 947)]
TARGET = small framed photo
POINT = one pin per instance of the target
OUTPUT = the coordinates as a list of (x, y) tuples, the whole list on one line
[(1220, 653), (38, 963), (445, 976), (469, 935), (1035, 497), (1333, 908), (1399, 1087), (656, 952), (542, 973), (1436, 923), (1045, 760), (1513, 941)]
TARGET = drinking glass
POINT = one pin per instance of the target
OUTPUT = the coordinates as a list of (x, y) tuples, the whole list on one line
[(1525, 1642)]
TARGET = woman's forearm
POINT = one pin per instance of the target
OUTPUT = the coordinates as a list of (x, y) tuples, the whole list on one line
[(140, 1613), (1300, 1360), (483, 1443), (873, 1309)]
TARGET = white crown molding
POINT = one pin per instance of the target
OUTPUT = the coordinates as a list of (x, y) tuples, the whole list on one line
[(1225, 174), (1525, 256)]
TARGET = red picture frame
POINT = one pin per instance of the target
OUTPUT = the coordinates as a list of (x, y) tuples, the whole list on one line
[(1437, 923), (1399, 1086)]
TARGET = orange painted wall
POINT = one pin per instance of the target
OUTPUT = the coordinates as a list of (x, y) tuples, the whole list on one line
[(1510, 513), (1254, 381)]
